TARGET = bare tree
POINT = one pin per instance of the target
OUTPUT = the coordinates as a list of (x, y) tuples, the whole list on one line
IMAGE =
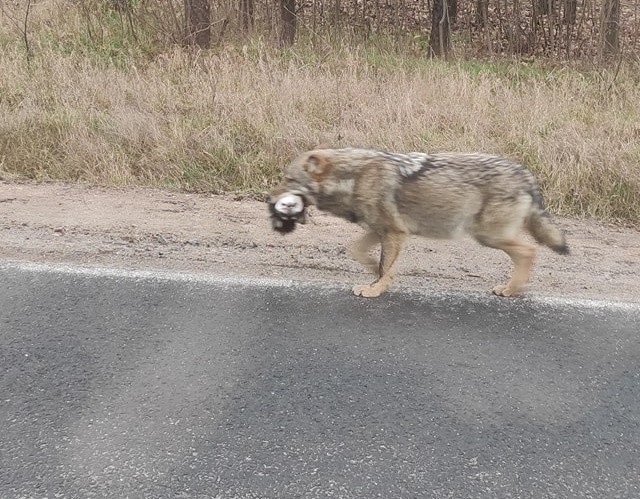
[(482, 12), (610, 27), (288, 17), (544, 6), (453, 11), (246, 12), (570, 11), (439, 38), (197, 23)]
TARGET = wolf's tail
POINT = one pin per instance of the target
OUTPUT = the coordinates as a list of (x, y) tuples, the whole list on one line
[(543, 230)]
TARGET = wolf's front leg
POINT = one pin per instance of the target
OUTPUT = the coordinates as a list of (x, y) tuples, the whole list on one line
[(391, 246), (359, 250)]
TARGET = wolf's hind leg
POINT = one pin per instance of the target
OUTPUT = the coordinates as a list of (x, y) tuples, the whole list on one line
[(391, 245), (522, 255), (360, 248)]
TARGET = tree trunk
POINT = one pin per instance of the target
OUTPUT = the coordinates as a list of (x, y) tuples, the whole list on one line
[(544, 6), (288, 17), (570, 11), (452, 6), (482, 13), (439, 39), (611, 27), (246, 13), (198, 23)]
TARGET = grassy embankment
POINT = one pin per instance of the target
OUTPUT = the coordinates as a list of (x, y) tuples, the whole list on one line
[(117, 110)]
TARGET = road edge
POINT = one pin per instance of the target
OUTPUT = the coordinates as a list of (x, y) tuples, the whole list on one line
[(273, 282)]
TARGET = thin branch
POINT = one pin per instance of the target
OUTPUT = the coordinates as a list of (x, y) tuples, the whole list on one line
[(24, 31), (22, 26)]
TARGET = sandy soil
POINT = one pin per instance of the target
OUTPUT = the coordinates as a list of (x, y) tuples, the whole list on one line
[(223, 235)]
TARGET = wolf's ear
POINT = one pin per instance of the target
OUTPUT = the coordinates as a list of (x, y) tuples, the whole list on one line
[(317, 166)]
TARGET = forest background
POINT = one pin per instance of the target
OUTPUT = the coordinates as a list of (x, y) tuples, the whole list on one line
[(218, 96)]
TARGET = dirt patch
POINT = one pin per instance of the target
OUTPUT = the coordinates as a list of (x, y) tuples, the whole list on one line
[(153, 229)]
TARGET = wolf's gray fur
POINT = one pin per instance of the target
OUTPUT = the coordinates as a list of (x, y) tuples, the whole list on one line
[(443, 195)]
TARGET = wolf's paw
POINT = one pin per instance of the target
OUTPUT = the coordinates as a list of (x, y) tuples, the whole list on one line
[(506, 290), (367, 290)]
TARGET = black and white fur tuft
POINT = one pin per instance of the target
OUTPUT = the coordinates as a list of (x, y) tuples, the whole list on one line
[(287, 210)]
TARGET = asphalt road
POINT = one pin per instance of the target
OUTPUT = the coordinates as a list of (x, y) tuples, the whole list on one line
[(116, 384)]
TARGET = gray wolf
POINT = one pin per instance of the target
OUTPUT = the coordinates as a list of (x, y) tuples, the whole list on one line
[(440, 195)]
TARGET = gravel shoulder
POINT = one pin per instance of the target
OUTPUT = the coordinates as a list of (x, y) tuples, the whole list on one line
[(141, 228)]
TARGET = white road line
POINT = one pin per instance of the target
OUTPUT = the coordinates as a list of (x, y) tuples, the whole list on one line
[(203, 278)]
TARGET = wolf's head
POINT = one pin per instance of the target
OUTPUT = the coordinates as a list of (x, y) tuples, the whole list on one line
[(306, 175), (300, 187)]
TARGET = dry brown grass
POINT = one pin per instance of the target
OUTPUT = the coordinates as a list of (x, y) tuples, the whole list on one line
[(230, 119)]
